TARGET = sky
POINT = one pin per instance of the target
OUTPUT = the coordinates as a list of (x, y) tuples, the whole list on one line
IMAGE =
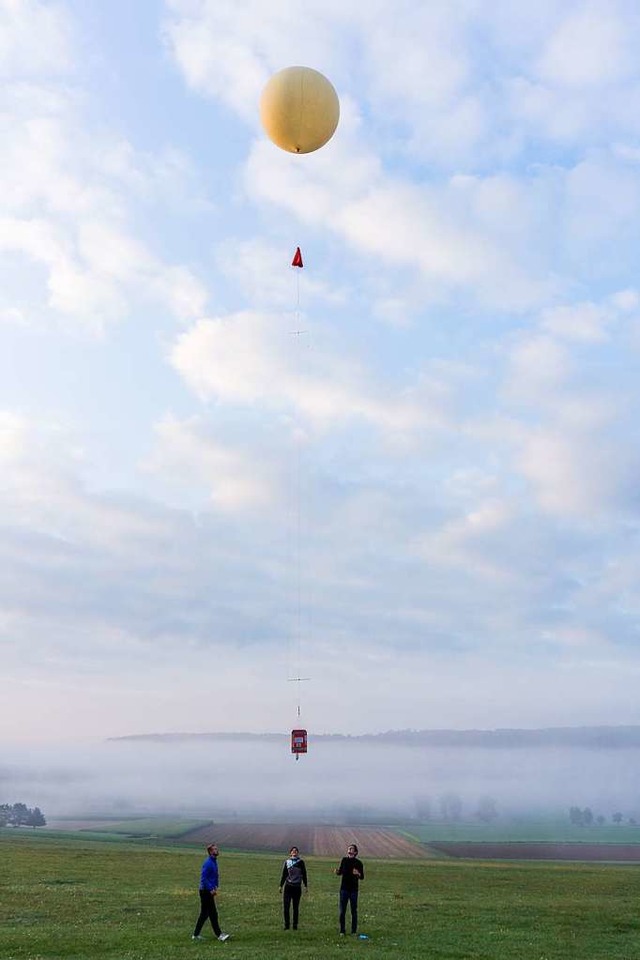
[(410, 470)]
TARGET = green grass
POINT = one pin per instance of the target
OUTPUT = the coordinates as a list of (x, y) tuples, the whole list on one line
[(553, 831), (148, 830), (85, 899), (169, 828), (153, 827)]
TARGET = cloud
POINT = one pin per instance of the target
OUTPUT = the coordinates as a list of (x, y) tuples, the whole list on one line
[(591, 46), (586, 322), (67, 211), (236, 479), (35, 38), (251, 358)]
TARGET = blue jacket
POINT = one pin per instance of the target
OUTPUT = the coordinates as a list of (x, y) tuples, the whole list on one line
[(209, 875)]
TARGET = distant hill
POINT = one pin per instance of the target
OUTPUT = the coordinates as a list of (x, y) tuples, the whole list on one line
[(592, 738)]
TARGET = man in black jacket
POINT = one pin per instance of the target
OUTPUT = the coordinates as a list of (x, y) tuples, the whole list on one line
[(352, 871)]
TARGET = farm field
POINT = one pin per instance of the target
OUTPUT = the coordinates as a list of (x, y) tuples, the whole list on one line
[(84, 900), (323, 841), (518, 850), (529, 829), (528, 841), (134, 827)]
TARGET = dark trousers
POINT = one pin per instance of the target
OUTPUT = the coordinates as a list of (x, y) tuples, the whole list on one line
[(291, 898), (349, 897), (207, 910)]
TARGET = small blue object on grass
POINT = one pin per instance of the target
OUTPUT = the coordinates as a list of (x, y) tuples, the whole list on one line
[(362, 936)]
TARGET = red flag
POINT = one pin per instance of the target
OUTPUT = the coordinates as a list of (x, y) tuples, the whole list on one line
[(297, 259)]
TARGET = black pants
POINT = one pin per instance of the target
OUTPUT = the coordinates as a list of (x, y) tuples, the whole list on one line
[(291, 898), (207, 909), (349, 897)]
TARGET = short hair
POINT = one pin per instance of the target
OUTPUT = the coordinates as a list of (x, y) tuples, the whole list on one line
[(211, 845), (355, 846)]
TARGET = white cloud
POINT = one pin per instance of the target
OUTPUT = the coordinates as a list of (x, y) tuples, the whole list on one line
[(234, 478), (592, 46), (255, 358), (68, 198), (35, 38), (539, 367), (568, 474), (13, 429), (585, 322)]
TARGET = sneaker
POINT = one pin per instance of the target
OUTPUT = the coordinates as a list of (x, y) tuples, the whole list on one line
[(224, 936)]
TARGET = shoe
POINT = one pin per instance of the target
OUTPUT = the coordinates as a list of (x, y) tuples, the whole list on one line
[(195, 936), (224, 936)]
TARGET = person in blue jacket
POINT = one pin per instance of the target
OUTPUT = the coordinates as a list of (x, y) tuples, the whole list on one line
[(294, 875), (209, 881)]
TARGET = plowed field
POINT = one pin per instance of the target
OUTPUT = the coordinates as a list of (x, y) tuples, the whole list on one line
[(589, 852), (322, 841)]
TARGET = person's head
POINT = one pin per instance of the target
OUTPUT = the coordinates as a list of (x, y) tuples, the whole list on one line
[(352, 850), (212, 850), (294, 852)]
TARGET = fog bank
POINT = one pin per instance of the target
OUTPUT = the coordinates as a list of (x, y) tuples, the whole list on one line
[(348, 779)]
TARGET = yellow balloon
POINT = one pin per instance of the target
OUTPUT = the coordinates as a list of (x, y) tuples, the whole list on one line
[(299, 109)]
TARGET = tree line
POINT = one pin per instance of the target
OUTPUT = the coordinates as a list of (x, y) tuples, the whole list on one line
[(20, 815), (586, 818)]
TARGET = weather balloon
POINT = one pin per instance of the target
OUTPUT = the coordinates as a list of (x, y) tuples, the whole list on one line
[(299, 109)]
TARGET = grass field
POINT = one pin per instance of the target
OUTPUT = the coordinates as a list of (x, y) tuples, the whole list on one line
[(86, 899), (142, 828), (517, 831)]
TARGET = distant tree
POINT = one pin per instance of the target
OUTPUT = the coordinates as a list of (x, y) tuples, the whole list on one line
[(36, 818), (582, 818), (423, 808), (487, 809), (451, 807), (617, 817), (632, 821), (600, 820), (19, 814)]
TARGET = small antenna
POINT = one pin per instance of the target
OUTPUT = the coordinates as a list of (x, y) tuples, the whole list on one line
[(298, 680)]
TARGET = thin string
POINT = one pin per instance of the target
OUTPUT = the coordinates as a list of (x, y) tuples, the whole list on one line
[(299, 604)]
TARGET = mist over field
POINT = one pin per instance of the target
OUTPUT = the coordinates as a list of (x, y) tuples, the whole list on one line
[(348, 780)]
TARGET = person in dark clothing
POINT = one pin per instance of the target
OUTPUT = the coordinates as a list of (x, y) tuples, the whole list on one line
[(352, 871), (292, 879), (209, 881)]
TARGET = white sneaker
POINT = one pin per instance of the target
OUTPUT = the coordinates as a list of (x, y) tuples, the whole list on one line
[(224, 936)]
